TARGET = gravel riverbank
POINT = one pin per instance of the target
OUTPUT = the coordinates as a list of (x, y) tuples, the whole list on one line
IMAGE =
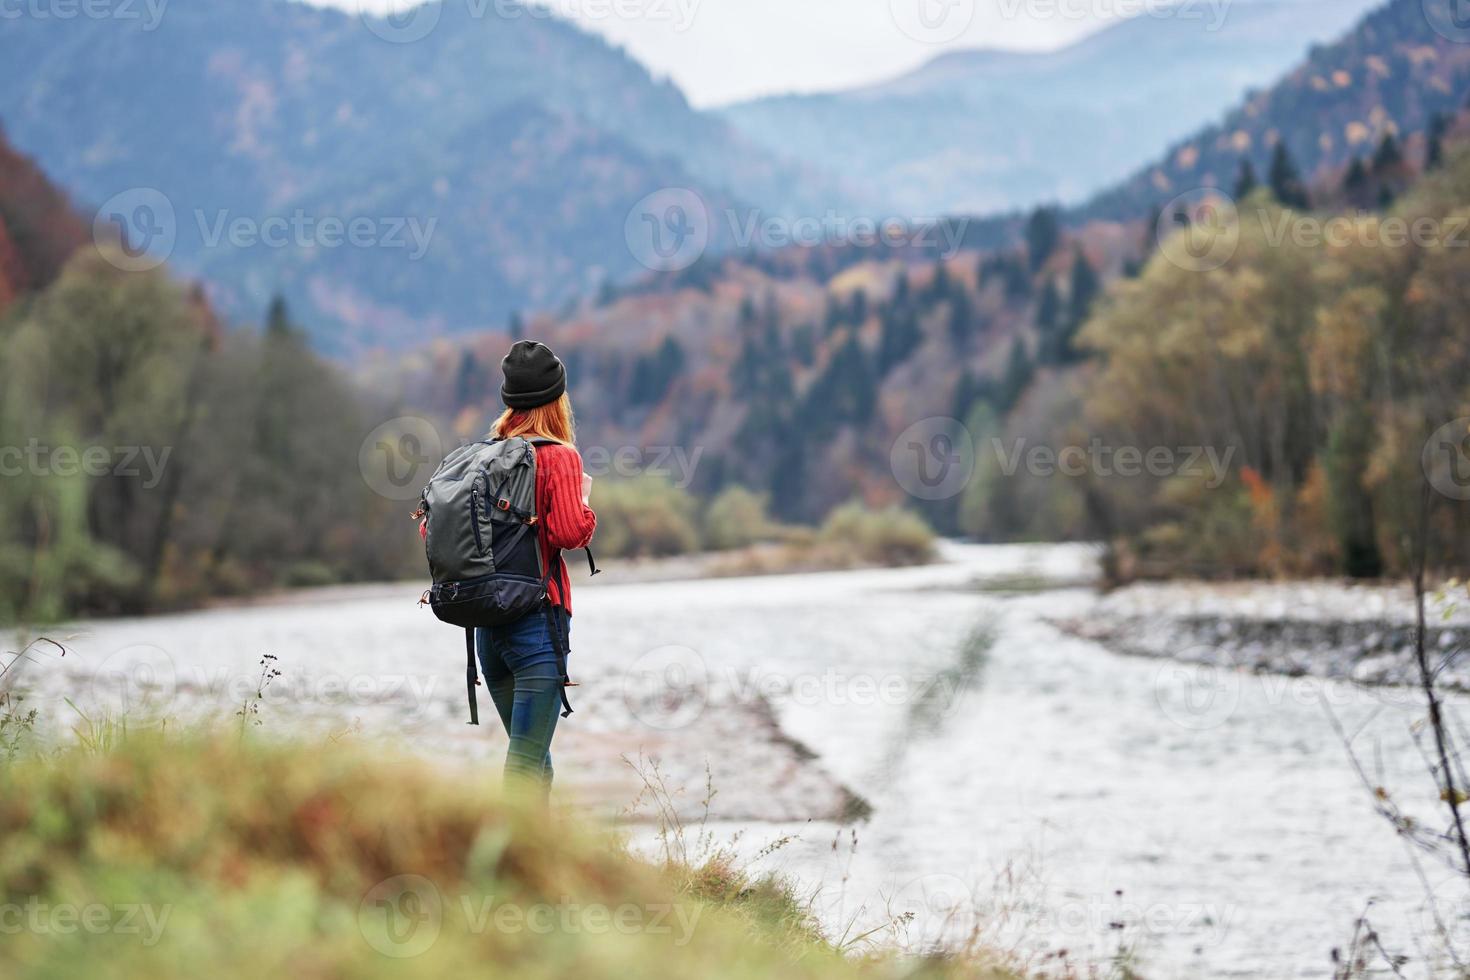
[(1345, 631)]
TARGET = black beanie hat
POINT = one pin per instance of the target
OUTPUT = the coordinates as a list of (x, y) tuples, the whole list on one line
[(533, 375)]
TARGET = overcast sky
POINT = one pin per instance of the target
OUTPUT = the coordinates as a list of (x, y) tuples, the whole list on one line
[(721, 51)]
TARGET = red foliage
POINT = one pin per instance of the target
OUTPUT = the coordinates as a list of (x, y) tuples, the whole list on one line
[(39, 229)]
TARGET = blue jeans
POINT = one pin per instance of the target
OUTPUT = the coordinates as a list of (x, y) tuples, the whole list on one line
[(518, 661)]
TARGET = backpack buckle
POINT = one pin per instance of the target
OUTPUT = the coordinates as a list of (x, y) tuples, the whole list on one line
[(502, 504)]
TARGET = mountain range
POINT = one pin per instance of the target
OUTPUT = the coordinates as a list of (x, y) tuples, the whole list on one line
[(796, 372), (1403, 64), (523, 142), (975, 132), (498, 163)]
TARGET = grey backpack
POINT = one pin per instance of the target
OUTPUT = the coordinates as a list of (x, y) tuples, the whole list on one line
[(480, 534)]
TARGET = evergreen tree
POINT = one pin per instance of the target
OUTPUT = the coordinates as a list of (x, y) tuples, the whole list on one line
[(1048, 309), (899, 338), (961, 317), (1043, 232), (804, 344), (1019, 371), (655, 373), (1357, 185), (747, 314), (834, 316), (278, 319), (1439, 124), (939, 286), (1151, 231), (747, 370), (465, 380), (1056, 327), (1245, 179), (1011, 270), (846, 392), (1286, 182), (967, 391), (1085, 288), (1388, 156)]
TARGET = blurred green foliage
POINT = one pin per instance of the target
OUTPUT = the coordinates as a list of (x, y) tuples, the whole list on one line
[(237, 858), (153, 458)]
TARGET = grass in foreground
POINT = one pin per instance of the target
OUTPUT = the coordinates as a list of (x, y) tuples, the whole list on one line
[(221, 857)]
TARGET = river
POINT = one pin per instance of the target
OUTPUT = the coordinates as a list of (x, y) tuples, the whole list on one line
[(1024, 785)]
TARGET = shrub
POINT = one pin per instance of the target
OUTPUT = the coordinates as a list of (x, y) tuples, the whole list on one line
[(736, 518), (891, 536), (644, 517)]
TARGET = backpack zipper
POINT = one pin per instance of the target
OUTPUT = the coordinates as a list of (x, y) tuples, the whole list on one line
[(475, 519)]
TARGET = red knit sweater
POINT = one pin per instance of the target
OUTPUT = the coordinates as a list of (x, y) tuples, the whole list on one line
[(566, 522)]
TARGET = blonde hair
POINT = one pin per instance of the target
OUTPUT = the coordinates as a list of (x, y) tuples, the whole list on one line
[(552, 421)]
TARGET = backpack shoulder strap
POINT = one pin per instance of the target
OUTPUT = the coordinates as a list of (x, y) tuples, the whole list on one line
[(471, 675)]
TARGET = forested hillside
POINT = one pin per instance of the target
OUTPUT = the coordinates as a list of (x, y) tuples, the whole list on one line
[(516, 144), (38, 228), (975, 132), (151, 456), (796, 374), (1393, 74)]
